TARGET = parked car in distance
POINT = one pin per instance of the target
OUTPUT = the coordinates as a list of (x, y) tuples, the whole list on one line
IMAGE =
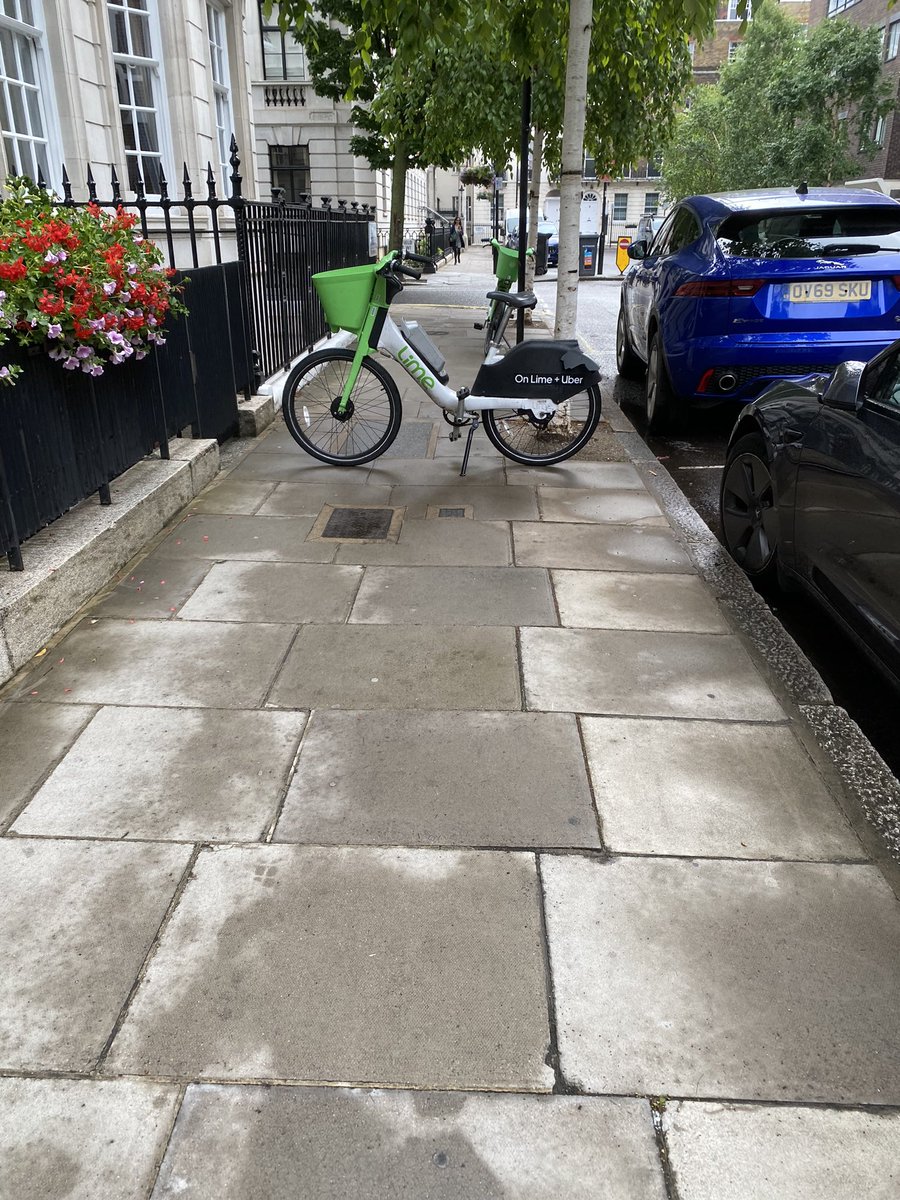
[(647, 227), (739, 289), (512, 231), (810, 496), (553, 249)]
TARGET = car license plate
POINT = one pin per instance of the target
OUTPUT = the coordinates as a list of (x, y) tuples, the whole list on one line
[(825, 291)]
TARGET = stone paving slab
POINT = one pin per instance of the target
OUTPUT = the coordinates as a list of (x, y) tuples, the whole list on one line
[(440, 543), (32, 740), (334, 1143), (489, 502), (172, 663), (248, 539), (444, 448), (440, 779), (617, 505), (413, 440), (464, 596), (747, 1152), (598, 547), (575, 473), (82, 1139), (308, 499), (384, 666), (634, 600), (191, 775), (293, 466), (758, 981), (76, 921), (701, 788), (236, 497), (630, 673), (293, 593), (356, 965), (482, 469), (156, 589)]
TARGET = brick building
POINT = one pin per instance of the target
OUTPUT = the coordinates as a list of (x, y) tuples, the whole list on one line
[(884, 169)]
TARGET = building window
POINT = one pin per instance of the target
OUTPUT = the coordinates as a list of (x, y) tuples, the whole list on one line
[(836, 6), (653, 170), (23, 91), (651, 203), (620, 206), (221, 81), (283, 56), (878, 132), (728, 10), (290, 171), (590, 168), (733, 48), (893, 39), (139, 89)]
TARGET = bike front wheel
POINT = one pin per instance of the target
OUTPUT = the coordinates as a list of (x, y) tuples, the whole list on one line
[(543, 441), (311, 406)]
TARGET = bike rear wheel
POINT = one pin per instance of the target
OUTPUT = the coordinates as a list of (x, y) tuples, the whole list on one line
[(541, 442), (311, 402)]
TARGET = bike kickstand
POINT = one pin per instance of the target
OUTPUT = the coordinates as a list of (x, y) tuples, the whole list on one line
[(465, 461)]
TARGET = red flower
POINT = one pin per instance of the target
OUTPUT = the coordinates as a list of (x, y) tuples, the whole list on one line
[(14, 270)]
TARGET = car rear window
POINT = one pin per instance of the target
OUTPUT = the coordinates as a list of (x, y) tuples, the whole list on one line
[(810, 232)]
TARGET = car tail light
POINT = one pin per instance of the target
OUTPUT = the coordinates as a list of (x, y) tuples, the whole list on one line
[(721, 287), (895, 280)]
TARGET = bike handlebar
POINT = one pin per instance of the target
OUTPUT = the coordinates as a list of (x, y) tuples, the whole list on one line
[(410, 272)]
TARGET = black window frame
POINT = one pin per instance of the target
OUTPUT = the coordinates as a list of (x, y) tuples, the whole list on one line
[(274, 28), (285, 173)]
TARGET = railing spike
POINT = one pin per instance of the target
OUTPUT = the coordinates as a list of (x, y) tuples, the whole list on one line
[(114, 181), (186, 183), (67, 186), (41, 181), (163, 183), (210, 182), (91, 185)]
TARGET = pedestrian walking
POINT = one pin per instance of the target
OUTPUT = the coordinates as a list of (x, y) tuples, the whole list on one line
[(457, 241)]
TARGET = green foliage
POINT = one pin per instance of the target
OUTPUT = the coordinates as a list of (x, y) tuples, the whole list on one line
[(788, 108)]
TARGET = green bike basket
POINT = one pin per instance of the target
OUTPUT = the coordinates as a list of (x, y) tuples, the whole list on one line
[(345, 295), (507, 265)]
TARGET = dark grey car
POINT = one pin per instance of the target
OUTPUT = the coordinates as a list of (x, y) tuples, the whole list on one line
[(811, 496)]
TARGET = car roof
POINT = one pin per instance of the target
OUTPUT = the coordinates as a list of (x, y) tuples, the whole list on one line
[(718, 205)]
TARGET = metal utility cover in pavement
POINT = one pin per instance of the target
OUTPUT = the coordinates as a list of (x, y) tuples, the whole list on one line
[(457, 511), (357, 524)]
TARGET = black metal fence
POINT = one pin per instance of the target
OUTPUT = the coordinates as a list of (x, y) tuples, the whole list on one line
[(65, 435), (283, 246)]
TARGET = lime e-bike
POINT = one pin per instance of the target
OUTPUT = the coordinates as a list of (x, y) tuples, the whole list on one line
[(540, 402)]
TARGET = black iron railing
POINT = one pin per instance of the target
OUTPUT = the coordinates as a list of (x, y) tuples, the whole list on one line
[(252, 309)]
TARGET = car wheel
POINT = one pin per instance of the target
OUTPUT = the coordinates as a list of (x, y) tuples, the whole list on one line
[(748, 511), (628, 364), (664, 408)]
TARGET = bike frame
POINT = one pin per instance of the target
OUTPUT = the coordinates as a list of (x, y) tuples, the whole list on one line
[(393, 345)]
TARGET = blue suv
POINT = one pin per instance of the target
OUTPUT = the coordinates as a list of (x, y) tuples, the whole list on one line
[(741, 289)]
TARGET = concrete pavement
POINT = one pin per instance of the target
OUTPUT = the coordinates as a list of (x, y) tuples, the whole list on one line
[(487, 860)]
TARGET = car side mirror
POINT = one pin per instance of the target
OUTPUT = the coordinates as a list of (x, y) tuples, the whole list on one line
[(844, 391), (638, 250)]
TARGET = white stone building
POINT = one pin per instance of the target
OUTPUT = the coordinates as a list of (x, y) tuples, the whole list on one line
[(148, 86)]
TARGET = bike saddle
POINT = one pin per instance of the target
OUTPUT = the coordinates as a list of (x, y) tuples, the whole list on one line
[(515, 299)]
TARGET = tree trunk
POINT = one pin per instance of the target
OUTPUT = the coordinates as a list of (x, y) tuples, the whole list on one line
[(534, 203), (580, 21), (398, 198)]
